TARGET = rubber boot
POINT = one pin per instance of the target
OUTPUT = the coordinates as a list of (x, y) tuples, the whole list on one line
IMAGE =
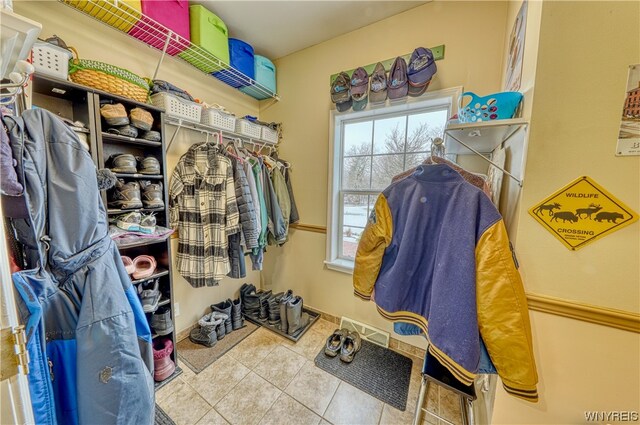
[(273, 304), (237, 321), (250, 301), (283, 310), (225, 308), (264, 305), (297, 320)]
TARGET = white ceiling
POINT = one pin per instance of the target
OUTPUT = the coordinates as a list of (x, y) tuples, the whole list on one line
[(278, 28)]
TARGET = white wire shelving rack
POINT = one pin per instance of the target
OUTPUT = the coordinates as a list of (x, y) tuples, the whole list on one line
[(120, 17)]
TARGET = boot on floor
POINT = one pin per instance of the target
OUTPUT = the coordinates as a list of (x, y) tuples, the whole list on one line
[(205, 334), (224, 307), (237, 321), (220, 327), (283, 310), (273, 304), (297, 320), (264, 305)]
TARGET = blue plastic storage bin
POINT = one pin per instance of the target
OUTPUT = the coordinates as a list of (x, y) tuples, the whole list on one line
[(265, 75), (241, 58)]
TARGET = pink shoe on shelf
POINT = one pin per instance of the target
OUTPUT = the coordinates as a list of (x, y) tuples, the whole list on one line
[(128, 264), (144, 266), (163, 366)]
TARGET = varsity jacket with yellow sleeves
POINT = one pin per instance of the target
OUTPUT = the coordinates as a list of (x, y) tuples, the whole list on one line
[(437, 253)]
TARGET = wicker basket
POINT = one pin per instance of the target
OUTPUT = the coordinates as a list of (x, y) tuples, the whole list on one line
[(108, 78)]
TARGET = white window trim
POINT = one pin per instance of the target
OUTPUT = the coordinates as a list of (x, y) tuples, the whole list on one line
[(445, 97)]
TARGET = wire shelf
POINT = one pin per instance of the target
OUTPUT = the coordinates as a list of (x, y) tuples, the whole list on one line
[(121, 17)]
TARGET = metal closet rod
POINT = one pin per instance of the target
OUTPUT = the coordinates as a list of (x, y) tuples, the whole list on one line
[(179, 125)]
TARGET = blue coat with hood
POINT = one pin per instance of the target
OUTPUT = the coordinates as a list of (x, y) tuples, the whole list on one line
[(88, 340)]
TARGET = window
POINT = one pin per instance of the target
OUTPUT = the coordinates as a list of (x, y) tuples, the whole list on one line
[(368, 149)]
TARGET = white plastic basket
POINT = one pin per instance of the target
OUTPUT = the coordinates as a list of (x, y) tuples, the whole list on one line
[(177, 107), (249, 129), (216, 118), (269, 135), (51, 60)]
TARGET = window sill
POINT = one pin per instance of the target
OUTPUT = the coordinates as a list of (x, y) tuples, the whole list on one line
[(340, 265)]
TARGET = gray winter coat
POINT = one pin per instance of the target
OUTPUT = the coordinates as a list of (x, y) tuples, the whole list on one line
[(89, 340)]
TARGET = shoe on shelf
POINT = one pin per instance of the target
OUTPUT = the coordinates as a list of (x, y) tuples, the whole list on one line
[(297, 320), (351, 345), (147, 223), (122, 163), (150, 297), (163, 366), (152, 136), (161, 322), (220, 318), (128, 264), (114, 114), (141, 118), (283, 310), (148, 165), (125, 196), (224, 307), (237, 321), (151, 194), (334, 342), (145, 266), (273, 307), (129, 221), (125, 130), (205, 334)]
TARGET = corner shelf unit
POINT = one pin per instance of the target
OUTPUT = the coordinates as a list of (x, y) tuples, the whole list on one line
[(124, 17), (79, 103), (482, 138)]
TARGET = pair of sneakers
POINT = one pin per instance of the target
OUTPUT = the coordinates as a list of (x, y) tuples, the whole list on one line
[(116, 115), (128, 195), (344, 343), (130, 164), (137, 222)]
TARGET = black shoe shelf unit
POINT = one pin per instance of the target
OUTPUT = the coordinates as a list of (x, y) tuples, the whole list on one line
[(80, 103), (313, 317)]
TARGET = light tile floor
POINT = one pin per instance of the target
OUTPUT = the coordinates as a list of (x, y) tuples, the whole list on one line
[(268, 380)]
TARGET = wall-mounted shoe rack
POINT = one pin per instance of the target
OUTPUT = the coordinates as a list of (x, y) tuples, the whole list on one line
[(79, 103), (119, 16)]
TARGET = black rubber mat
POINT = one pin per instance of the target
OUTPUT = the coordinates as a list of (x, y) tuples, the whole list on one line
[(162, 418), (378, 371)]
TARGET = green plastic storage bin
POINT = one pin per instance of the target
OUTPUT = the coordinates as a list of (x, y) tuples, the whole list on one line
[(209, 32)]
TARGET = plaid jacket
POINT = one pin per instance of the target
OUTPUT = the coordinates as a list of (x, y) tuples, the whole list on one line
[(203, 207)]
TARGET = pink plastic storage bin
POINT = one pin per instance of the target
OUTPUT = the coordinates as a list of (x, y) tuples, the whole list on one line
[(172, 14)]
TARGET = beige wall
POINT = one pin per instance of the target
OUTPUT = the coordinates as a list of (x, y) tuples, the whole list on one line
[(93, 40), (303, 83)]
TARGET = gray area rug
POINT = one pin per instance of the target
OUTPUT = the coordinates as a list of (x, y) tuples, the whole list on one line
[(376, 370), (162, 418), (198, 357)]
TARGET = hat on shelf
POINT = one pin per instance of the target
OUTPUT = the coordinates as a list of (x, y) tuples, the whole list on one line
[(397, 84), (341, 92), (422, 67), (359, 89), (378, 91)]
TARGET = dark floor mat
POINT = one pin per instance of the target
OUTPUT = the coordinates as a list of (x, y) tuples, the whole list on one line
[(162, 418), (198, 357), (375, 370)]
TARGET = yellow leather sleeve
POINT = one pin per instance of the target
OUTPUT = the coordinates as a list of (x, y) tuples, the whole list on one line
[(374, 240), (503, 314)]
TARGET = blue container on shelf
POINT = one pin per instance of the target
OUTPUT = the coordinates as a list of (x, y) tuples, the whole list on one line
[(497, 106), (242, 60), (265, 75)]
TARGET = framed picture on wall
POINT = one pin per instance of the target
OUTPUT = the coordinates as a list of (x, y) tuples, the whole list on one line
[(516, 50), (629, 133)]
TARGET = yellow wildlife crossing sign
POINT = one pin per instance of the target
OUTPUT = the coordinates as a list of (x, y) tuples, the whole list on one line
[(581, 212)]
